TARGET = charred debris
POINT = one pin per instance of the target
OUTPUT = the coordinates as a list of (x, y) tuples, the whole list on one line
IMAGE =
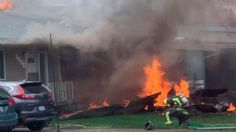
[(202, 101)]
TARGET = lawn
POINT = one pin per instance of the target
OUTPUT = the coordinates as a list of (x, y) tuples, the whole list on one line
[(138, 121)]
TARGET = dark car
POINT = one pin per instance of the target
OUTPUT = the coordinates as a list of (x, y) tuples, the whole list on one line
[(8, 116), (34, 103)]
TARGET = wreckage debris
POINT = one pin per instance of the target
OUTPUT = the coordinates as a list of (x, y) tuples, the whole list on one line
[(139, 105), (132, 108), (99, 111), (212, 100), (204, 100)]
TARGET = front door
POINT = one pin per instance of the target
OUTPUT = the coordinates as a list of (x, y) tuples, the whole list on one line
[(43, 60), (32, 66)]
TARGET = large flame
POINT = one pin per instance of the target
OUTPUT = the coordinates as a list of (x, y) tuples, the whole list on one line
[(155, 82), (182, 87), (5, 4), (231, 107)]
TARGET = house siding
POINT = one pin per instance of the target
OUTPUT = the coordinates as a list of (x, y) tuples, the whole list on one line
[(14, 70), (54, 68)]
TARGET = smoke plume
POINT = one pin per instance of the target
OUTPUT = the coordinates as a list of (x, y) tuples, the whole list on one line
[(104, 44)]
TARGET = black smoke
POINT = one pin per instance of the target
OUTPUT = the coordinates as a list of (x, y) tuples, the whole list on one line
[(112, 66)]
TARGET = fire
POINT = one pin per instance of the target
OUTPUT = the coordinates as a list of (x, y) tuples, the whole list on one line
[(146, 107), (105, 103), (183, 88), (231, 107), (5, 4), (93, 105), (155, 82)]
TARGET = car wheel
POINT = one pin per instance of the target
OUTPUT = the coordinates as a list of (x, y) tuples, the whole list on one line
[(36, 126)]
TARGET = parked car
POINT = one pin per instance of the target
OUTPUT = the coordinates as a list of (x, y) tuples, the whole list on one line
[(8, 116), (34, 103)]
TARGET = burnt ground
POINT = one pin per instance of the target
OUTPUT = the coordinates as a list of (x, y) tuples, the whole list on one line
[(123, 130)]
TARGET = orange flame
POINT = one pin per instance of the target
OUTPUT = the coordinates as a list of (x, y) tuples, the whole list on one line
[(231, 107), (155, 82), (5, 5), (105, 103), (92, 106), (146, 107), (183, 88)]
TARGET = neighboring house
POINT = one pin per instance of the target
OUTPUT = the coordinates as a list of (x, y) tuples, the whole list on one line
[(35, 63)]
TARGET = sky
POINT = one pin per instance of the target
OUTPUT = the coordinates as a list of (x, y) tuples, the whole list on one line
[(29, 19), (70, 15)]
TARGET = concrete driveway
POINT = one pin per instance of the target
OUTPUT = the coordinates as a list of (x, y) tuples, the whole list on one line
[(120, 130)]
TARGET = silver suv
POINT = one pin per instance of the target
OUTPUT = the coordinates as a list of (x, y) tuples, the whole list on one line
[(34, 103)]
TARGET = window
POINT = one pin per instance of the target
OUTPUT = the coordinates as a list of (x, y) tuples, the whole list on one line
[(2, 65)]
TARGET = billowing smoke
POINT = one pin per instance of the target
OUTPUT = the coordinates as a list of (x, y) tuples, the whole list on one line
[(111, 56), (104, 44), (95, 24)]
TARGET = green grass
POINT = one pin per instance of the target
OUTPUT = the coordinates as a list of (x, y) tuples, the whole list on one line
[(138, 121), (215, 120)]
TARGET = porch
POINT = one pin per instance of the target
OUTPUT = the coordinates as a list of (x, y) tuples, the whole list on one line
[(62, 92)]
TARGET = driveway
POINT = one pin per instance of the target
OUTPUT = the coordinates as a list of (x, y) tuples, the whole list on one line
[(120, 130)]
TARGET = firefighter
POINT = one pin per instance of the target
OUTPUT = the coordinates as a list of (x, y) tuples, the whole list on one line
[(177, 101), (178, 108)]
